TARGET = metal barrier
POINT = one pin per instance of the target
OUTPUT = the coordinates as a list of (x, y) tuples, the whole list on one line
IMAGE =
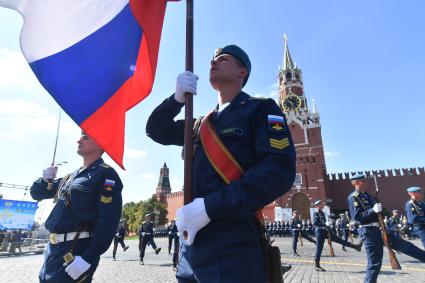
[(25, 246)]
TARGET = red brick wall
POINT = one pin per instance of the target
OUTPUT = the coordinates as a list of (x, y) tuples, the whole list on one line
[(174, 202)]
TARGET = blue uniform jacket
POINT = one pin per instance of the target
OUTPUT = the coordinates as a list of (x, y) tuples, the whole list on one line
[(266, 154), (172, 230), (361, 207), (245, 130), (343, 225), (147, 228), (95, 202), (295, 223), (319, 219), (121, 231), (415, 211)]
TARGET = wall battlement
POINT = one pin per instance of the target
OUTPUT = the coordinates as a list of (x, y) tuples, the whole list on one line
[(418, 171)]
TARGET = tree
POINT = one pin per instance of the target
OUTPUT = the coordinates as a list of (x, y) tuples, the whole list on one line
[(134, 213), (156, 209)]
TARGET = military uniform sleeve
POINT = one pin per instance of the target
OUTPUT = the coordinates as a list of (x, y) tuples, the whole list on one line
[(316, 220), (39, 189), (161, 126), (360, 214), (109, 212), (266, 180), (409, 214)]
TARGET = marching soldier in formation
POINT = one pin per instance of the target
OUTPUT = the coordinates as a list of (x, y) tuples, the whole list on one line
[(146, 237), (297, 231), (415, 209), (119, 238), (365, 211), (344, 227), (321, 226), (84, 219), (172, 234), (394, 223)]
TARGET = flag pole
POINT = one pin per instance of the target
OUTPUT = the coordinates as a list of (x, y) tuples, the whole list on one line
[(188, 127), (50, 182)]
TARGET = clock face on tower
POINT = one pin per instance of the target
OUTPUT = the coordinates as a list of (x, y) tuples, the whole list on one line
[(291, 103)]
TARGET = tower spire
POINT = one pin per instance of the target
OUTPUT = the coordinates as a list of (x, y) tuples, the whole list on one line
[(314, 107), (287, 59)]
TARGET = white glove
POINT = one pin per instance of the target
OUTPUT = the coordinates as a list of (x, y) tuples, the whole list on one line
[(348, 225), (117, 234), (299, 225), (77, 267), (399, 225), (186, 82), (143, 234), (192, 218), (377, 207), (328, 223), (49, 173)]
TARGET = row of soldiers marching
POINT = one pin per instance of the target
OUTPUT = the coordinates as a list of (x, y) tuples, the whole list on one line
[(368, 222)]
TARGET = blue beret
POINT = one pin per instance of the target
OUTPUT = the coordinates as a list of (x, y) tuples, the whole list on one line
[(239, 54), (358, 177), (317, 202), (413, 189)]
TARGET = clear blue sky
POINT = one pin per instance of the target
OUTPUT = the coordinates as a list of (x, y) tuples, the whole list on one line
[(362, 61)]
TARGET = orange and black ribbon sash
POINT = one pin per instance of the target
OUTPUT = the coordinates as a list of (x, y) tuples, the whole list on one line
[(220, 157)]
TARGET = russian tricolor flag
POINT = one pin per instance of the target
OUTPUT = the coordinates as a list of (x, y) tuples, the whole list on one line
[(97, 58)]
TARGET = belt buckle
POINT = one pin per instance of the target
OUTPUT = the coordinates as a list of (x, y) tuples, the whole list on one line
[(53, 238)]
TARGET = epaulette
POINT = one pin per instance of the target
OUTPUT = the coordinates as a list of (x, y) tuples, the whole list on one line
[(411, 201), (104, 165), (356, 193)]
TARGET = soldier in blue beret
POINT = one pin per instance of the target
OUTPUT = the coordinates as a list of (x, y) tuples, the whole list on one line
[(394, 223), (146, 237), (415, 211), (364, 210), (84, 219), (322, 232), (223, 241), (297, 231), (119, 238), (344, 228)]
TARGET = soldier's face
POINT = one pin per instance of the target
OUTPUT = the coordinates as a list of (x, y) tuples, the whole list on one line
[(361, 185), (87, 146), (416, 196), (225, 69)]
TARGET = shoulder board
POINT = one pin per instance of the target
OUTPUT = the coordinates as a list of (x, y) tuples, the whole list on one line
[(355, 193), (104, 165), (411, 201)]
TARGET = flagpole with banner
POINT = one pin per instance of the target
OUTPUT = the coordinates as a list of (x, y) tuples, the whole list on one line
[(188, 128)]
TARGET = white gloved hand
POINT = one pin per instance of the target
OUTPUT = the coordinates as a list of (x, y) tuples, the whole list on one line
[(377, 207), (77, 267), (49, 173), (143, 234), (192, 218), (299, 225), (328, 223), (399, 225), (186, 82), (117, 234)]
